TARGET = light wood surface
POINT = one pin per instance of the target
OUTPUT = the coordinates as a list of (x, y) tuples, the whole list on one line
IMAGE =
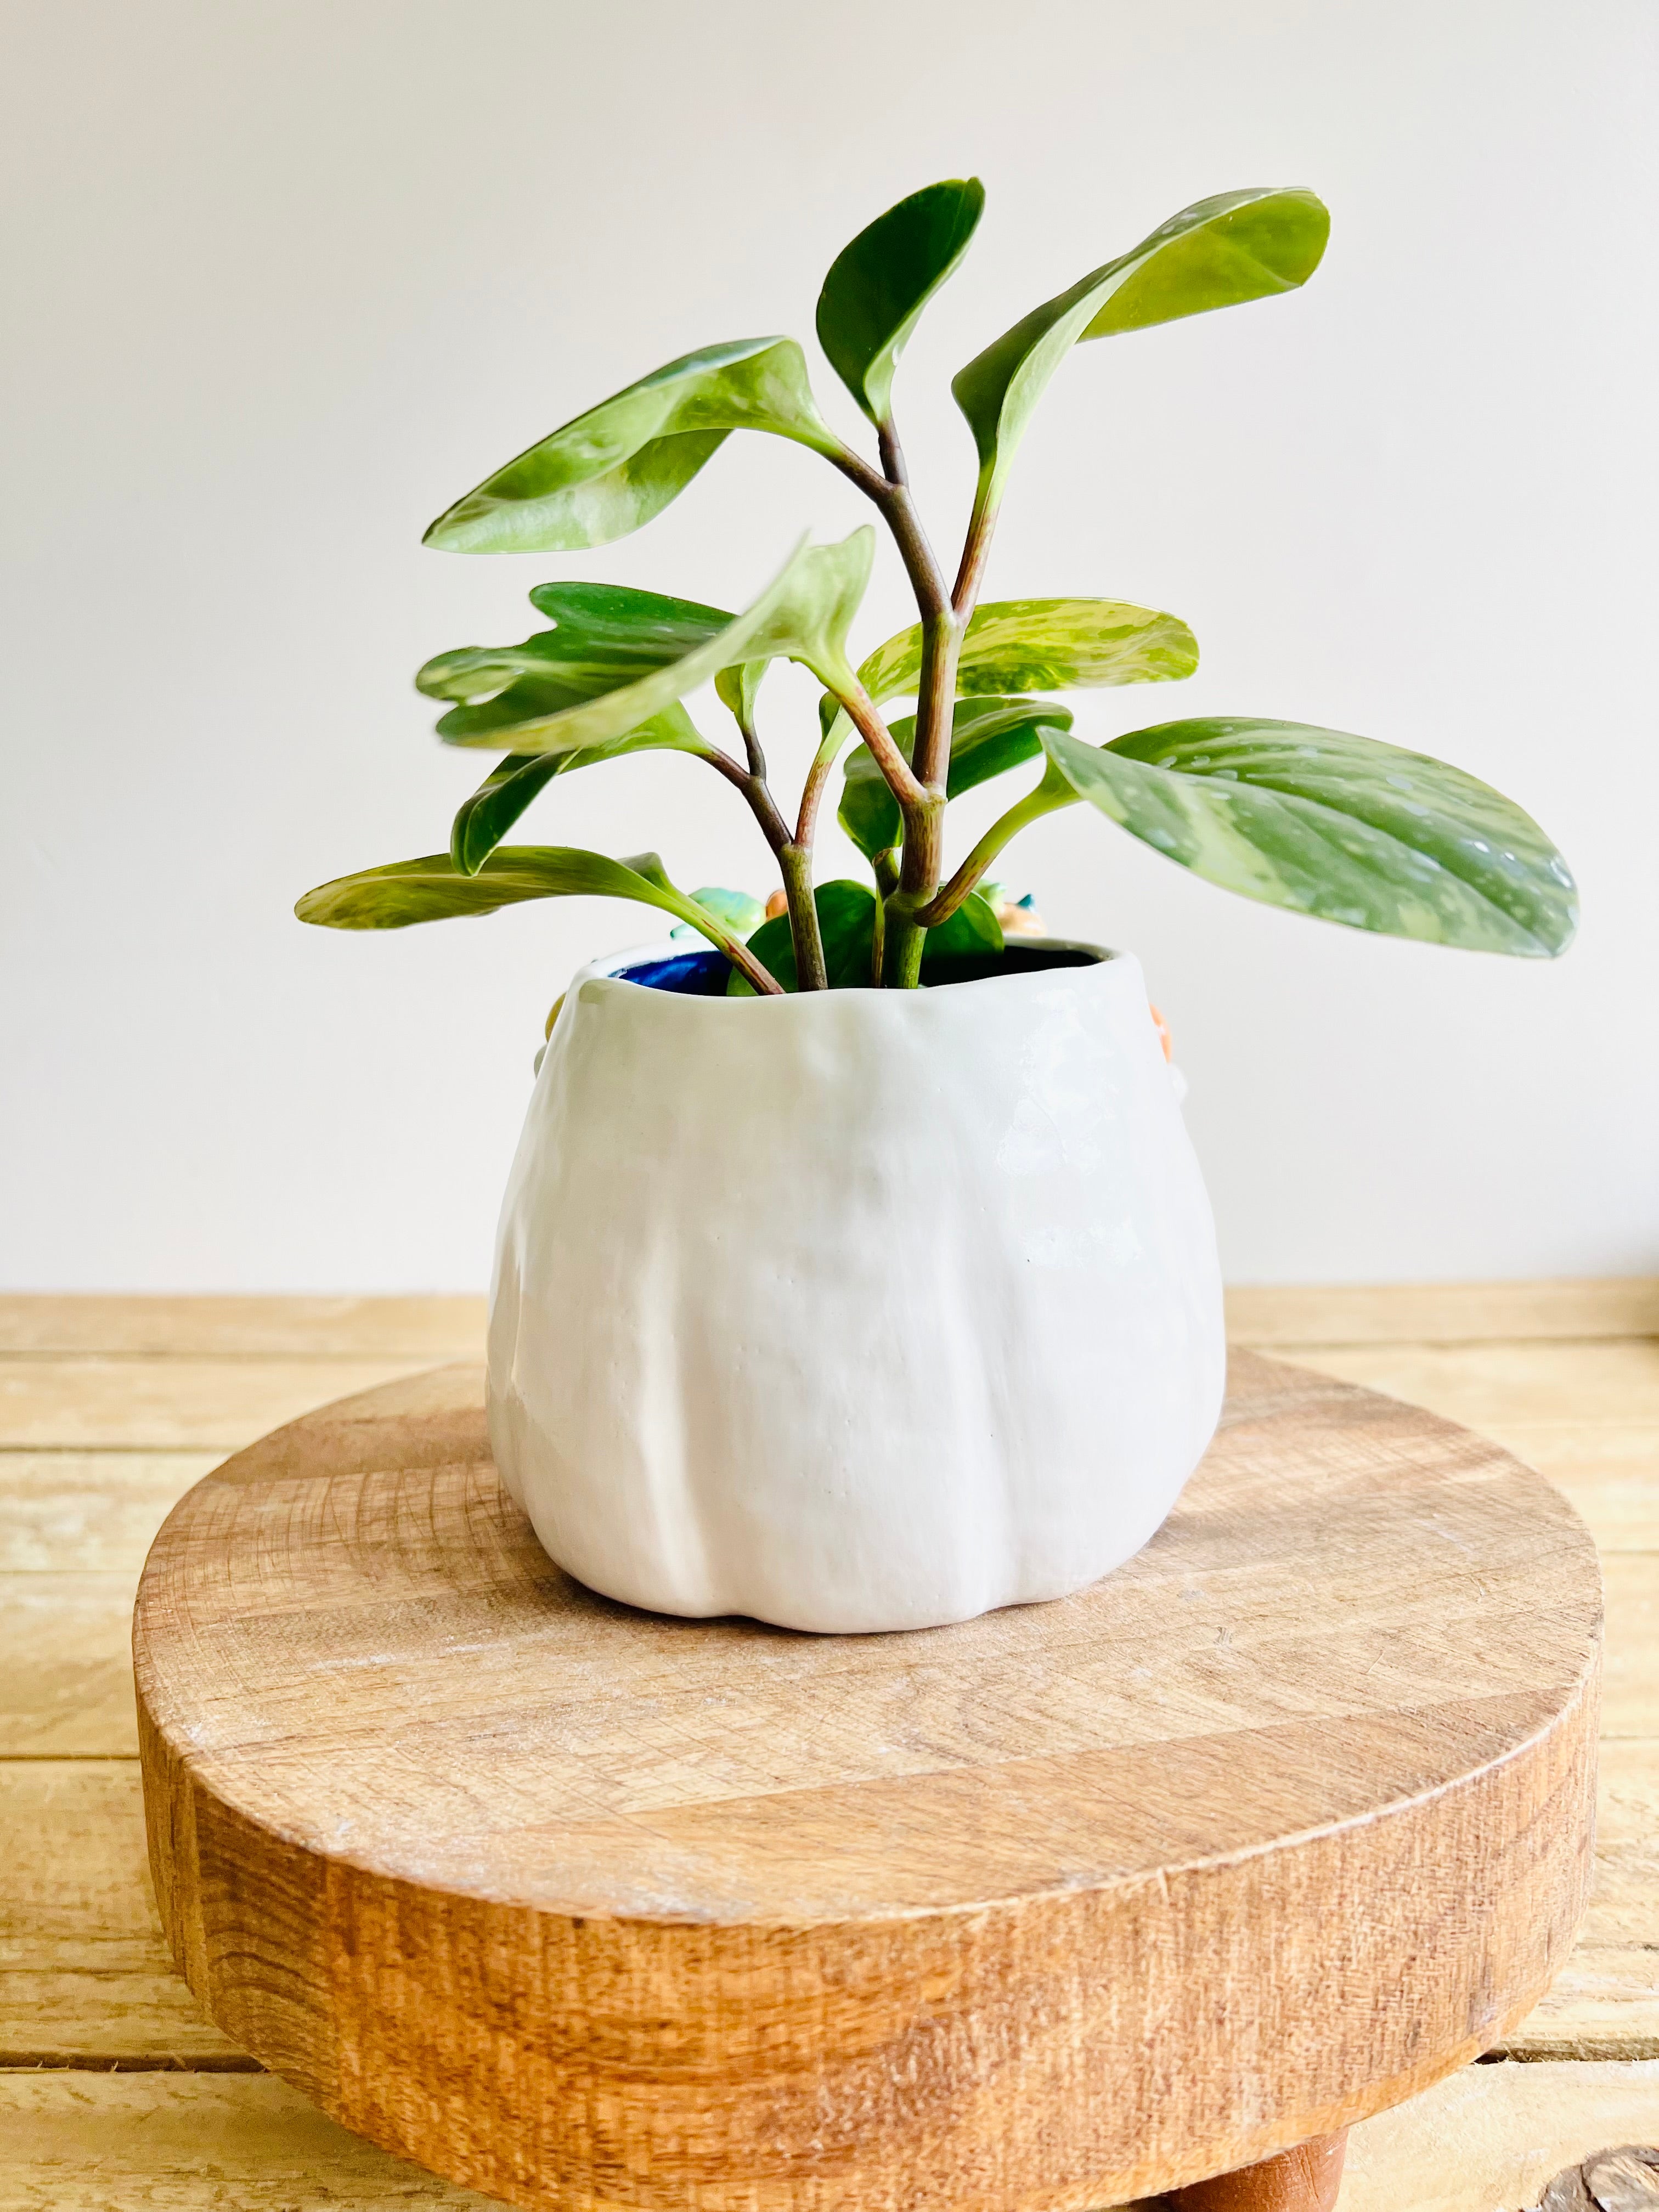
[(432, 1329), (1048, 1909), (194, 2142), (86, 1981), (66, 1682), (84, 1973), (1485, 2140), (1492, 2137), (1291, 1317), (420, 1330), (175, 1405), (1498, 1385), (67, 1512)]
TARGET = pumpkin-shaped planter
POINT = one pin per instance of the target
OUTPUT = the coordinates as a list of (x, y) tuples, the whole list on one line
[(853, 1310), (833, 1288)]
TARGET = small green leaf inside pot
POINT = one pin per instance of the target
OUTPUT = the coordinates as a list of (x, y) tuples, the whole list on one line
[(846, 917)]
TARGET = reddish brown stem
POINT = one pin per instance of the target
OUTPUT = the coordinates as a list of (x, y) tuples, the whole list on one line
[(811, 797), (862, 713), (743, 959), (755, 788), (976, 552)]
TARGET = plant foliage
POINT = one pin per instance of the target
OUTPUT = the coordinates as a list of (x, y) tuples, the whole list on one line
[(877, 285), (1311, 819)]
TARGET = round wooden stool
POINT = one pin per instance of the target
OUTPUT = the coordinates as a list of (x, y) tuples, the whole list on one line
[(1062, 1907)]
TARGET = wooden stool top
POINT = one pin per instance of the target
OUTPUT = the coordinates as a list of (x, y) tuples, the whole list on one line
[(585, 1907)]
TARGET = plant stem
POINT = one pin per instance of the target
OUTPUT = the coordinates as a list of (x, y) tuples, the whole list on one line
[(920, 565), (811, 797), (862, 712), (711, 926), (976, 552), (751, 745), (1052, 793), (887, 877), (891, 492), (936, 692), (755, 788), (920, 789), (858, 470), (902, 943), (918, 874), (903, 937), (811, 973), (743, 960), (794, 860)]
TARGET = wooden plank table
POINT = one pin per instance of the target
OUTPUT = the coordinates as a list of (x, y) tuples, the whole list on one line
[(118, 2093), (1067, 1905)]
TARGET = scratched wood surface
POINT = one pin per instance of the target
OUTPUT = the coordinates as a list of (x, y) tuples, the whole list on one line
[(86, 1985)]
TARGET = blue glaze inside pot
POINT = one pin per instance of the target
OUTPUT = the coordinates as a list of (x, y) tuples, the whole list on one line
[(693, 974), (703, 974)]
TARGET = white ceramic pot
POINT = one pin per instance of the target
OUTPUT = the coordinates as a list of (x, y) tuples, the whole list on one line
[(858, 1309)]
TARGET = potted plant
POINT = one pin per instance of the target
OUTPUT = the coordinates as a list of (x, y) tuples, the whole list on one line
[(855, 1272)]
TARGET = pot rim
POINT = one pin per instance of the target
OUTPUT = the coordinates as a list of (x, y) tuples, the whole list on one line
[(608, 967)]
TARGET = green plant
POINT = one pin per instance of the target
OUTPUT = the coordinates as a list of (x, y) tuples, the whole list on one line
[(1336, 826)]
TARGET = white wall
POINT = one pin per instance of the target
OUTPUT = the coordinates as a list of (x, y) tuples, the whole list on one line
[(287, 276)]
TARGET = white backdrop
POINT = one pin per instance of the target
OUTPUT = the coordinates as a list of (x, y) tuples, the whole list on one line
[(284, 277)]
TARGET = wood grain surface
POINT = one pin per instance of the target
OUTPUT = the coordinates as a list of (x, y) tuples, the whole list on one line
[(1485, 2140), (245, 1329), (1288, 1315), (86, 1979), (172, 1405), (1491, 2137), (1061, 1907), (1292, 1316)]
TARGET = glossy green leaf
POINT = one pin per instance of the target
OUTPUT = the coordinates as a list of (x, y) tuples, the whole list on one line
[(484, 818), (803, 614), (1045, 644), (877, 285), (612, 470), (1219, 253), (815, 609), (846, 922), (973, 928), (1033, 645), (432, 889), (737, 688), (1337, 826), (605, 636), (987, 738), (846, 918)]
